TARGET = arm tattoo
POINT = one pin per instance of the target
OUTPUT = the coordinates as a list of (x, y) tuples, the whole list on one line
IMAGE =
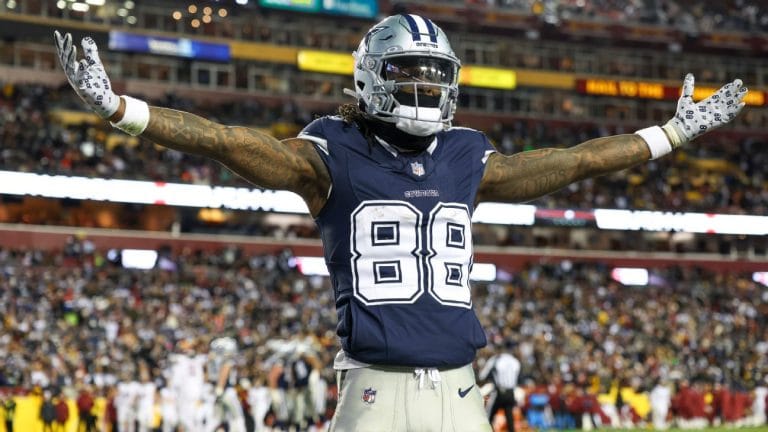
[(193, 134), (258, 157), (529, 175), (548, 181)]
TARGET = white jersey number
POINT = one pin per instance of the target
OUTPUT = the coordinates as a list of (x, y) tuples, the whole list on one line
[(387, 264)]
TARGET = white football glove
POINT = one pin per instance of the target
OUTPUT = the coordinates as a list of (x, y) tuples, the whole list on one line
[(87, 76), (693, 119)]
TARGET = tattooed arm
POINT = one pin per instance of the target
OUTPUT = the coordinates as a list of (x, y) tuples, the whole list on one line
[(525, 176), (261, 159), (291, 164), (529, 175)]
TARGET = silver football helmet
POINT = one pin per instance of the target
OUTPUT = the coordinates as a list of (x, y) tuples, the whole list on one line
[(224, 346), (406, 73)]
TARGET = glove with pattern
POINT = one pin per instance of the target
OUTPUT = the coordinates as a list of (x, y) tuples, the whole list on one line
[(87, 76), (693, 119)]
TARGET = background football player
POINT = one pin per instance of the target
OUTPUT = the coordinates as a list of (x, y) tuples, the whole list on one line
[(222, 374)]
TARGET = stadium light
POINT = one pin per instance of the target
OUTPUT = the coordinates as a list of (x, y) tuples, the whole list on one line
[(710, 223), (630, 276), (142, 259), (484, 272), (311, 266), (241, 198)]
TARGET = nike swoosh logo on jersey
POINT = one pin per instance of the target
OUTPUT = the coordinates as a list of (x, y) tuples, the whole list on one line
[(463, 393)]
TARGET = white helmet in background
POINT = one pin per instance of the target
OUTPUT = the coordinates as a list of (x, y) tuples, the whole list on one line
[(407, 74)]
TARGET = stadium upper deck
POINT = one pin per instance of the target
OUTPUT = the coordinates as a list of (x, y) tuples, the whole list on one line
[(564, 91)]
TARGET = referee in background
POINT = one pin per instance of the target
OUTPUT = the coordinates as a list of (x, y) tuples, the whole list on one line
[(502, 369)]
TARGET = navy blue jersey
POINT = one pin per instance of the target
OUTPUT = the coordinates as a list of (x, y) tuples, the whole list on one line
[(398, 244)]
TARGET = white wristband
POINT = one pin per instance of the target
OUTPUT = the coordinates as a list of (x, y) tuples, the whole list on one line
[(657, 141), (135, 118)]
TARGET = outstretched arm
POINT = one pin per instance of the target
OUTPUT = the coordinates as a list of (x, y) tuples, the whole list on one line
[(263, 160), (291, 164), (524, 176), (529, 175)]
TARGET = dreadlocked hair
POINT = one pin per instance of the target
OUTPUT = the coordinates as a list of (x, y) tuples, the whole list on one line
[(352, 115)]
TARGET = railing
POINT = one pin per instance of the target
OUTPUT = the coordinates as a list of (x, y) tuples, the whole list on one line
[(507, 257)]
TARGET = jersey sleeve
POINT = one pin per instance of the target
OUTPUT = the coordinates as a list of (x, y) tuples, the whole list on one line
[(486, 147), (320, 132), (477, 148), (471, 146), (316, 133), (480, 156)]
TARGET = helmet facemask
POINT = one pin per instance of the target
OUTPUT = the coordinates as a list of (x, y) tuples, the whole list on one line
[(405, 78)]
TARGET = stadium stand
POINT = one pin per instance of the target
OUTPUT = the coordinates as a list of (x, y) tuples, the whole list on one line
[(39, 137), (75, 316)]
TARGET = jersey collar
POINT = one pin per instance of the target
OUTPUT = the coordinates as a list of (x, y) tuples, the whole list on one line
[(394, 150)]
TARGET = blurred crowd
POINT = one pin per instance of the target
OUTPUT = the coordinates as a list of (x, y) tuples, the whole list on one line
[(714, 175), (272, 25), (33, 139), (691, 17), (75, 320)]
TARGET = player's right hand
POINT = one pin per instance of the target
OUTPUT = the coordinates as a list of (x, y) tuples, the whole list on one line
[(87, 76), (693, 119)]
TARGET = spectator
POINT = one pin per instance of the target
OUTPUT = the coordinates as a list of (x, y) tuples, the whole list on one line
[(9, 411), (47, 412), (62, 414), (110, 413), (759, 396), (728, 407), (85, 402)]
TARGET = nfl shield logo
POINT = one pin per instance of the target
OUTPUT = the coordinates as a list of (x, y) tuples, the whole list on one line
[(369, 395), (417, 168)]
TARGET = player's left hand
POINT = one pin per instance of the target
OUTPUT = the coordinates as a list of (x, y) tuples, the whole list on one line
[(693, 119), (87, 76), (219, 393)]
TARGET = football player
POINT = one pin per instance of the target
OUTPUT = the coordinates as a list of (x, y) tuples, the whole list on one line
[(145, 401), (221, 373), (186, 372), (126, 403), (392, 187)]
